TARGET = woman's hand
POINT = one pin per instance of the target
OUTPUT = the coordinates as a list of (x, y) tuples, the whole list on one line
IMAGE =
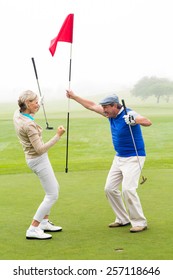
[(60, 130)]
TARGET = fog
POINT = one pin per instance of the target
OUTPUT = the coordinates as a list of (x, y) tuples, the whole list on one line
[(115, 43)]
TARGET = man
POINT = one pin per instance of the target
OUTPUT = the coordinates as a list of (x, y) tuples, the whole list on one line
[(127, 164)]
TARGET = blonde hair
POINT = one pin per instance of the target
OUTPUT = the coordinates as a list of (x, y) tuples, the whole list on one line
[(25, 96)]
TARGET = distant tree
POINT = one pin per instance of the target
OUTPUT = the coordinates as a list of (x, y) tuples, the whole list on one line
[(158, 87)]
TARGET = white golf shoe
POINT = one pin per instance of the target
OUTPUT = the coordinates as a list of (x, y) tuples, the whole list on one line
[(37, 233), (49, 227)]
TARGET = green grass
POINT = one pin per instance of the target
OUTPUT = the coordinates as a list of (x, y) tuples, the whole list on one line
[(82, 209)]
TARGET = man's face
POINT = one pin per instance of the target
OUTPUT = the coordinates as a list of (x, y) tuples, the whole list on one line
[(111, 110)]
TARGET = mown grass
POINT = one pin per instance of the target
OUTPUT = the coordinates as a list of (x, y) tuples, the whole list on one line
[(82, 208)]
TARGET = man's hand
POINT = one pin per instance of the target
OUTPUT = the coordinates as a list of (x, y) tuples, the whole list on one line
[(129, 119), (70, 94)]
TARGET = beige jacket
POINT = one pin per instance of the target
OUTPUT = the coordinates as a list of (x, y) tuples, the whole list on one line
[(30, 136)]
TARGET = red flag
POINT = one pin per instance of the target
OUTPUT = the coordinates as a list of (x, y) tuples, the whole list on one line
[(65, 34)]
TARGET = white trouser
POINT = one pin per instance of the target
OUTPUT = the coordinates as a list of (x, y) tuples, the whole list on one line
[(125, 171), (41, 166)]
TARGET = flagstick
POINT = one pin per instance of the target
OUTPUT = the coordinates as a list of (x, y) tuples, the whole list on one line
[(68, 112), (65, 35)]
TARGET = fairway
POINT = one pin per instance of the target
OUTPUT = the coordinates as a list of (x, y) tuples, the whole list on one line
[(82, 209)]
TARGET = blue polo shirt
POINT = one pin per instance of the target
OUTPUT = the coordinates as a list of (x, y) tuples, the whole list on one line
[(122, 139)]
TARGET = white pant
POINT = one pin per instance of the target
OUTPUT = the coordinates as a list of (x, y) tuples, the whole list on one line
[(126, 171), (41, 166)]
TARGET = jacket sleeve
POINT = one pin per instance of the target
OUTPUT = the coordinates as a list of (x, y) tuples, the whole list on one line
[(35, 138)]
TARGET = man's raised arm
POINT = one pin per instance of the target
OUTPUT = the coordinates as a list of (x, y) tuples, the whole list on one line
[(88, 104)]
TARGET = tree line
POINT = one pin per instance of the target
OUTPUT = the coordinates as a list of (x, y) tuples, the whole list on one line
[(153, 86)]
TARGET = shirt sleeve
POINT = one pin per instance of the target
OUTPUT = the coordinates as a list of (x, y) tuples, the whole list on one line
[(35, 139)]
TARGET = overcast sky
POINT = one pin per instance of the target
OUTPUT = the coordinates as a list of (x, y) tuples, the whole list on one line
[(115, 43)]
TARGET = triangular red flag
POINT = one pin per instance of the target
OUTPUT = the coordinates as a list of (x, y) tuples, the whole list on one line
[(65, 34)]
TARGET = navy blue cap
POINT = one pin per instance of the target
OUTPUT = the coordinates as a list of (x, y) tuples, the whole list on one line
[(109, 100)]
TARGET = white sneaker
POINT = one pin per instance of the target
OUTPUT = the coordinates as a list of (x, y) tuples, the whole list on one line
[(49, 226), (37, 233)]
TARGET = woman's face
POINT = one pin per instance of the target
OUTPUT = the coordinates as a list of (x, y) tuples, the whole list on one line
[(32, 106)]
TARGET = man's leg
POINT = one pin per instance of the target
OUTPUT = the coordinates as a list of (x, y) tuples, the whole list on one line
[(114, 195)]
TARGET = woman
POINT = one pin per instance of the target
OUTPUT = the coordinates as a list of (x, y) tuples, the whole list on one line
[(30, 136)]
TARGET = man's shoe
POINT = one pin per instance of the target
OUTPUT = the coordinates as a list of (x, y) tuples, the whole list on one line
[(37, 233), (138, 229), (115, 224), (49, 227)]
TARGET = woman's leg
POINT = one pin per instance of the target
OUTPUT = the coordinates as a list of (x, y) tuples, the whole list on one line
[(42, 168)]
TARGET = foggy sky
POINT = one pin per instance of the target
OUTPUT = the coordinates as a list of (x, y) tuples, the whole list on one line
[(115, 43)]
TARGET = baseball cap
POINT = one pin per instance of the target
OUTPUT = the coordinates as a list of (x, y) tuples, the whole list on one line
[(109, 100)]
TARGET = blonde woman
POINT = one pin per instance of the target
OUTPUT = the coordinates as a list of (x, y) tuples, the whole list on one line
[(35, 150)]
